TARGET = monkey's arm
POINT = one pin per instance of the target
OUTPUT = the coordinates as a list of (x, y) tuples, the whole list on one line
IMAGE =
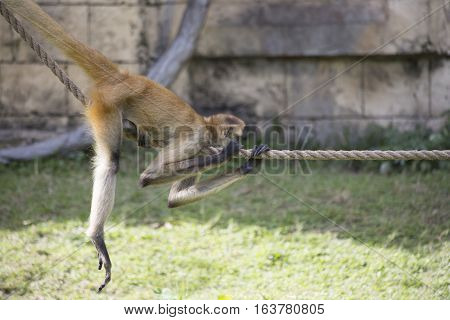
[(191, 189), (163, 171)]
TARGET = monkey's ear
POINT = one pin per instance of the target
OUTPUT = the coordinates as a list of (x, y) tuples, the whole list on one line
[(233, 120), (225, 119)]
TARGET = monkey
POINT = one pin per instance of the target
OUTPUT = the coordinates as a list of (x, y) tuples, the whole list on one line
[(132, 105), (191, 189)]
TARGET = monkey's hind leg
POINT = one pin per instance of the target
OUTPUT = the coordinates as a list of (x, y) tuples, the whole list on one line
[(102, 203), (106, 124), (192, 189)]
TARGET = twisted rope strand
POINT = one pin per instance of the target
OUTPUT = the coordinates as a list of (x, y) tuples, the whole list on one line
[(272, 154), (42, 54), (349, 155)]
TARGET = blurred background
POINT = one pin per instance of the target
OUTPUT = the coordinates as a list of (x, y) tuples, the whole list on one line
[(253, 59)]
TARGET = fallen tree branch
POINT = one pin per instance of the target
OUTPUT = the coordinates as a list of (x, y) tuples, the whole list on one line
[(79, 138), (164, 71)]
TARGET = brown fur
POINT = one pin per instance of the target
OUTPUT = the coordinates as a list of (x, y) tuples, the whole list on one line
[(117, 95)]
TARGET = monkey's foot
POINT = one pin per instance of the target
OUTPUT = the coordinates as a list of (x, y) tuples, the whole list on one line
[(252, 162), (103, 260), (106, 281), (107, 264)]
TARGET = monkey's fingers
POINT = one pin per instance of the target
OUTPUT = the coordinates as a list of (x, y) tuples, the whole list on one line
[(258, 150), (248, 166)]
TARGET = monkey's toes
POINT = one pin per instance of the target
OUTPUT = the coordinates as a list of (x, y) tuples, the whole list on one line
[(105, 282), (107, 277), (106, 264)]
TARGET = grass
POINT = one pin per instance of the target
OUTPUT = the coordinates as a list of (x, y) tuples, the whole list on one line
[(389, 238)]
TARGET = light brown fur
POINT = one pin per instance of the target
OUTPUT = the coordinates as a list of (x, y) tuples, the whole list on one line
[(118, 96)]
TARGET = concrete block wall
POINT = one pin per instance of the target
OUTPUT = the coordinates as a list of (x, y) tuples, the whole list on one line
[(255, 58)]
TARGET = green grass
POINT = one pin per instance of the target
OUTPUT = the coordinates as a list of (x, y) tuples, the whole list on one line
[(252, 241)]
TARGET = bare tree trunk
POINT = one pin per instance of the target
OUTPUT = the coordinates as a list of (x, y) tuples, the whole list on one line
[(164, 71)]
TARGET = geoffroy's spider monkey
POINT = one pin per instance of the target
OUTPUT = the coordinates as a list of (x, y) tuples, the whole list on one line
[(143, 106)]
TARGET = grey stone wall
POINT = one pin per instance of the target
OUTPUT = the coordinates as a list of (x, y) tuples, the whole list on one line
[(333, 64)]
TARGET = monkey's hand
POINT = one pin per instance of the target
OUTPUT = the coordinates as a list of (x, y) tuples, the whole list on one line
[(231, 150), (252, 162)]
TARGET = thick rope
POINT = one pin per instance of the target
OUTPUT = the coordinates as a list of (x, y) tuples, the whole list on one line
[(272, 154), (349, 155), (42, 54)]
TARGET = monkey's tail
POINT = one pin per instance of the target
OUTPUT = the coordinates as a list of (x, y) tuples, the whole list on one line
[(95, 64)]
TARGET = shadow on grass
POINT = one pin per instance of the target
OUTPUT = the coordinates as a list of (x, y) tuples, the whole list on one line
[(404, 210)]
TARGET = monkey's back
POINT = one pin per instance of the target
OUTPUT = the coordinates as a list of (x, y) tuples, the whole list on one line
[(152, 105)]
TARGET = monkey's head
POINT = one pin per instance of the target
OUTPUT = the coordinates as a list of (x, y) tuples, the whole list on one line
[(223, 128)]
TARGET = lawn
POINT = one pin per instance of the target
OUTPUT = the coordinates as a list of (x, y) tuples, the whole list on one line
[(331, 234)]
